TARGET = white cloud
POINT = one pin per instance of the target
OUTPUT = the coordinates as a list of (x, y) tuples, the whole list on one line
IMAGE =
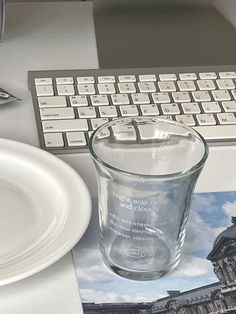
[(200, 236), (191, 266), (96, 273), (230, 209), (92, 295), (204, 203)]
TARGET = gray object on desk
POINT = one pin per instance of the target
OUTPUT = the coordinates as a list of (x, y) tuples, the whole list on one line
[(2, 17)]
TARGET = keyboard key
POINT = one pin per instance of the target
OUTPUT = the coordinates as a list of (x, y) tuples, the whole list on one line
[(225, 84), (217, 132), (170, 118), (129, 111), (188, 76), (108, 88), (120, 99), (48, 102), (43, 81), (181, 97), (186, 119), (53, 140), (124, 133), (206, 85), (149, 110), (65, 90), (145, 87), (126, 88), (107, 112), (191, 108), (211, 107), (161, 98), (99, 100), (206, 119), (44, 90), (167, 86), (207, 75), (234, 93), (167, 77), (147, 78), (65, 125), (147, 133), (86, 89), (186, 86), (64, 80), (106, 79), (170, 109), (140, 98), (226, 118), (85, 79), (126, 78), (56, 113), (226, 75), (86, 112), (96, 123), (201, 96), (221, 95), (76, 139), (77, 101), (229, 106)]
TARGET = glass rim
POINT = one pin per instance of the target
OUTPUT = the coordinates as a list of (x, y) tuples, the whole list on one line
[(176, 175)]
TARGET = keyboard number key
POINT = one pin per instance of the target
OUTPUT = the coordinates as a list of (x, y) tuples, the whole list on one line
[(65, 90), (127, 87), (108, 88), (53, 140), (86, 89), (167, 86)]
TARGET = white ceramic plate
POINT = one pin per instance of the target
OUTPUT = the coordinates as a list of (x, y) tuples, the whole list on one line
[(45, 208)]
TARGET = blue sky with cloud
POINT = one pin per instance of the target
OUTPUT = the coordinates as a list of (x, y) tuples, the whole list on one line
[(210, 214)]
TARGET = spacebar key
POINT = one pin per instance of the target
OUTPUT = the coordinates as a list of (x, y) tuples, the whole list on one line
[(65, 125), (217, 132)]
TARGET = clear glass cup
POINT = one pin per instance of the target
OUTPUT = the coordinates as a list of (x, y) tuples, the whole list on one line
[(147, 168)]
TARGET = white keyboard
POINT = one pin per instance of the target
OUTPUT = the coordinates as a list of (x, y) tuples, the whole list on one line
[(71, 104)]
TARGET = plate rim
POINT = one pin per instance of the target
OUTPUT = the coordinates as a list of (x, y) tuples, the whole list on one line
[(47, 159)]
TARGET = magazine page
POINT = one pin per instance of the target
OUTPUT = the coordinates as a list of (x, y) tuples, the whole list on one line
[(203, 282)]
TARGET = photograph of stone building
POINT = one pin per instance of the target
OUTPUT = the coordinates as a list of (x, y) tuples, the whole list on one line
[(218, 296)]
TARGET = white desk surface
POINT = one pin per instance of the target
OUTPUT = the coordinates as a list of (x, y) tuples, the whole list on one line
[(61, 36)]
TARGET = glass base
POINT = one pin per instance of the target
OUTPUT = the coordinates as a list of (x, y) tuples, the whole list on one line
[(140, 275)]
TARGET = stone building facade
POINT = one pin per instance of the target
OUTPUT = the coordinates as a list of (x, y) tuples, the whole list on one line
[(216, 298)]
